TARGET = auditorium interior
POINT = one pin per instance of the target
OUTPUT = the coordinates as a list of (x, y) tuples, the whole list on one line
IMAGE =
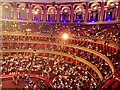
[(60, 44)]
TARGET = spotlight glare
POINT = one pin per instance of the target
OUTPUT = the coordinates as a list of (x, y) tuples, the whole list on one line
[(65, 36)]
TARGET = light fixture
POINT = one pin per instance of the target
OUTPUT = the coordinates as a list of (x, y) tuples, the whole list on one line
[(65, 10), (112, 4), (6, 6), (64, 21), (23, 8), (35, 12), (65, 36), (95, 7)]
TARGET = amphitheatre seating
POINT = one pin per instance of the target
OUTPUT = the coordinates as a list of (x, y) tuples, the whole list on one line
[(78, 62)]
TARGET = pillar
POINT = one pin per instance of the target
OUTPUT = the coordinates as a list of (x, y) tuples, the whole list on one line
[(119, 11), (102, 11), (58, 13), (15, 11), (86, 11), (30, 12), (45, 13), (72, 13)]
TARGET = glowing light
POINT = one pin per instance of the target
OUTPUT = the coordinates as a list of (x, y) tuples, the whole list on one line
[(93, 21), (28, 29), (95, 8), (112, 4), (5, 17), (35, 12), (21, 18), (65, 10), (51, 21), (23, 8), (109, 13), (51, 10), (80, 9), (65, 36), (6, 6), (38, 10), (64, 21), (78, 21), (36, 19)]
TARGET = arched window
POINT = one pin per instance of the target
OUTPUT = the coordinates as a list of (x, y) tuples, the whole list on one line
[(37, 13), (7, 11), (94, 15), (65, 14), (79, 13), (51, 14), (22, 12), (111, 13)]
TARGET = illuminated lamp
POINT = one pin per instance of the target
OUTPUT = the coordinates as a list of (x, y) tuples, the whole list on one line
[(28, 30), (36, 19), (23, 8), (38, 10), (5, 17), (65, 36), (6, 6), (35, 12), (95, 8), (51, 21), (92, 20), (64, 21), (65, 10), (109, 19), (112, 4), (78, 21), (22, 18)]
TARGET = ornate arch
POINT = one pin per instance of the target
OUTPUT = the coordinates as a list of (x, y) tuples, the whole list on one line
[(7, 11), (22, 11), (37, 13)]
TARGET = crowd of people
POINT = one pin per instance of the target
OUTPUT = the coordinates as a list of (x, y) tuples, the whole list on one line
[(30, 82), (96, 60), (110, 33), (64, 74)]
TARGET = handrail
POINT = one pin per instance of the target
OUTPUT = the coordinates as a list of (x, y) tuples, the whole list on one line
[(62, 54), (111, 76), (47, 35), (31, 75), (78, 47)]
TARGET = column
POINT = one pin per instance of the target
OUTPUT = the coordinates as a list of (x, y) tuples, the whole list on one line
[(72, 13), (0, 20), (86, 11), (105, 13), (0, 10), (45, 13), (30, 12), (58, 13), (102, 11), (119, 11), (15, 11), (89, 14)]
